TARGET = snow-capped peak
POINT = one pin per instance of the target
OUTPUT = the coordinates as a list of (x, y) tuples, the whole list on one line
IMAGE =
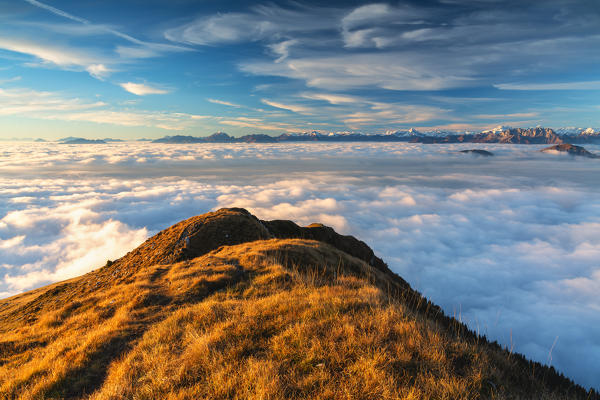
[(410, 132), (311, 134), (498, 129), (571, 130)]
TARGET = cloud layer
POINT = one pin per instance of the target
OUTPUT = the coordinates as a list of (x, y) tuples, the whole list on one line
[(509, 244)]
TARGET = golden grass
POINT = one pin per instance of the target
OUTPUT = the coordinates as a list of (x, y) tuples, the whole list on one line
[(270, 319)]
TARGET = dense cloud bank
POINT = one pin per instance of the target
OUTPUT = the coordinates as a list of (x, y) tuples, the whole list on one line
[(510, 243)]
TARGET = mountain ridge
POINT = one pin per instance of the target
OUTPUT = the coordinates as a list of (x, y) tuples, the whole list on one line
[(225, 305), (507, 135), (500, 134)]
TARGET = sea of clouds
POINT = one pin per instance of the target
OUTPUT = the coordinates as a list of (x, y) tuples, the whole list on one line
[(510, 244)]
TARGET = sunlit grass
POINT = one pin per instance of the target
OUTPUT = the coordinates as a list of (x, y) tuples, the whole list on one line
[(272, 319)]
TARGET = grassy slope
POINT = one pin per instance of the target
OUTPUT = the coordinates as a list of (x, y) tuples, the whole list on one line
[(271, 318)]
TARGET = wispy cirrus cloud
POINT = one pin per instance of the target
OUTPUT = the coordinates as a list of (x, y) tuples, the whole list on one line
[(58, 56), (586, 85), (509, 116), (357, 112), (145, 49), (458, 127), (333, 98), (260, 23), (290, 107), (259, 123), (224, 103), (55, 106), (10, 80), (368, 25), (31, 102), (154, 119), (379, 70), (142, 89), (393, 114), (57, 11), (406, 47), (282, 49), (99, 61)]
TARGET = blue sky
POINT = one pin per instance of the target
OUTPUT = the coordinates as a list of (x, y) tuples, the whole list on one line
[(134, 69)]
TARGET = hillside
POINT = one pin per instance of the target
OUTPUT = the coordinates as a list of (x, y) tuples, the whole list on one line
[(224, 305)]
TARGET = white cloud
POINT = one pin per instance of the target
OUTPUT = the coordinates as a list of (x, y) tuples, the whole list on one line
[(14, 241), (589, 85), (53, 106), (168, 121), (28, 102), (141, 89), (504, 116), (59, 56), (290, 107), (333, 98), (392, 114), (9, 80), (224, 103), (282, 49), (222, 28), (356, 111), (259, 123), (56, 11), (262, 22), (391, 70), (81, 245), (141, 50), (365, 25), (98, 71), (378, 13)]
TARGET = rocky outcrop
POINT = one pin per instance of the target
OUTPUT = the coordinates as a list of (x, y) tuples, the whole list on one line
[(478, 152), (196, 236), (569, 149), (201, 234), (283, 229)]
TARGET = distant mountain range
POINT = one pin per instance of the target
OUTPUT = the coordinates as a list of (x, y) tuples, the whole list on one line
[(78, 140), (501, 134)]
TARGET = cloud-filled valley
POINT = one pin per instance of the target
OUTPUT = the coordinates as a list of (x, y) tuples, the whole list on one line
[(510, 244)]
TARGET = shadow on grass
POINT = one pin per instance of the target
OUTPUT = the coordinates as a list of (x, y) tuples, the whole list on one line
[(90, 376)]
